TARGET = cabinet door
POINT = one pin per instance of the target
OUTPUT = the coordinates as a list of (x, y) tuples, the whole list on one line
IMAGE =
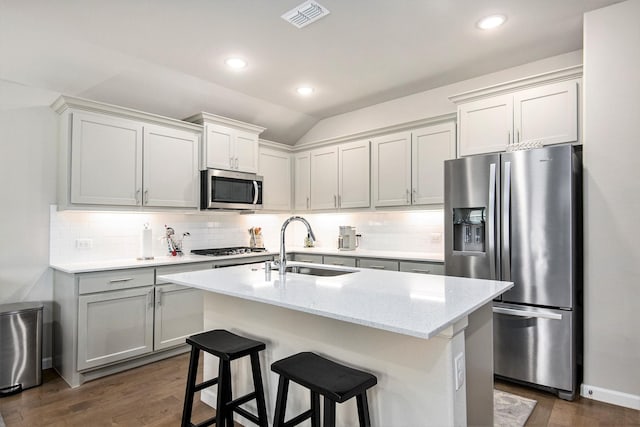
[(391, 174), (378, 264), (354, 175), (547, 114), (170, 167), (114, 326), (485, 126), (246, 152), (430, 147), (106, 160), (219, 142), (339, 260), (179, 313), (324, 178), (302, 181), (275, 167)]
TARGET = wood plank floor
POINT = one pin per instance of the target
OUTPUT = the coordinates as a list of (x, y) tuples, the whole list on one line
[(152, 395)]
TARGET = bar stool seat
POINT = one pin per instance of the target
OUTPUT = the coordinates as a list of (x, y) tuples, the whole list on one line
[(335, 382), (227, 347)]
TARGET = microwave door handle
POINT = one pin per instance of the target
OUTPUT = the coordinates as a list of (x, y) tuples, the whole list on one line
[(491, 222), (506, 224), (255, 192)]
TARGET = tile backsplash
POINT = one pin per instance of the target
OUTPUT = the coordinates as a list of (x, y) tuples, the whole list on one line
[(89, 236)]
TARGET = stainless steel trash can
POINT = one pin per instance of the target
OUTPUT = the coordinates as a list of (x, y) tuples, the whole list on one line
[(20, 347)]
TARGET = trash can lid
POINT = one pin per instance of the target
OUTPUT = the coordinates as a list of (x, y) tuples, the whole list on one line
[(19, 307)]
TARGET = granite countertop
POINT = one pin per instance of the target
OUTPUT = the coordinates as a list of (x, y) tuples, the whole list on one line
[(119, 264), (366, 253), (412, 304)]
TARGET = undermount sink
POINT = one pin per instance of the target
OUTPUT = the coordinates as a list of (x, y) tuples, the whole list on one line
[(317, 271)]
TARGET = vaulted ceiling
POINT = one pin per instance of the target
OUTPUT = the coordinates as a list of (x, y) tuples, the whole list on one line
[(167, 56)]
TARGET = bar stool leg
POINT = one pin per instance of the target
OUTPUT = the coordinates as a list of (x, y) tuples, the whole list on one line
[(281, 402), (329, 413), (191, 384), (259, 389), (222, 394), (363, 410), (315, 409)]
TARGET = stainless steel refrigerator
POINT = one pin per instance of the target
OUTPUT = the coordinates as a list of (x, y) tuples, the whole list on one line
[(517, 217)]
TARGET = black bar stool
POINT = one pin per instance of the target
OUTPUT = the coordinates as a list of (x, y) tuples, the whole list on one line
[(335, 382), (227, 347)]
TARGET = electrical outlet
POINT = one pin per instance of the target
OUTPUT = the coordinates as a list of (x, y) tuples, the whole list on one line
[(84, 243), (459, 370)]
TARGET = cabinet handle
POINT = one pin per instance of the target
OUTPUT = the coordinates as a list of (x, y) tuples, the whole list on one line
[(124, 279), (339, 201), (146, 197), (158, 299), (237, 163), (137, 196), (414, 196), (408, 196), (377, 267), (518, 135), (418, 270), (307, 203), (150, 298), (337, 263), (509, 137), (335, 201), (306, 260), (231, 162)]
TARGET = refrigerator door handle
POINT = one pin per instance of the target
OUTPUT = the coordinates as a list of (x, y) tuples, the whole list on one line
[(491, 222), (527, 313), (506, 226)]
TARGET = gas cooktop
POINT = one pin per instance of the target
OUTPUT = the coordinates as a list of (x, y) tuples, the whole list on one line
[(226, 251)]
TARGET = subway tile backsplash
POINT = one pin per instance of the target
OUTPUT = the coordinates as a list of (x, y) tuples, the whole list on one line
[(89, 236)]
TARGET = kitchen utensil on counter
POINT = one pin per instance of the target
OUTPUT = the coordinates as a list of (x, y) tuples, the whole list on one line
[(255, 237)]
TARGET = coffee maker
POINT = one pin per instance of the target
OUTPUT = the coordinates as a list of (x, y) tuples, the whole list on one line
[(347, 238)]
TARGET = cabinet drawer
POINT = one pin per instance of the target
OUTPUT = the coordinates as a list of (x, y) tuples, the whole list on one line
[(422, 267), (340, 260), (316, 259), (378, 264), (114, 280), (183, 268)]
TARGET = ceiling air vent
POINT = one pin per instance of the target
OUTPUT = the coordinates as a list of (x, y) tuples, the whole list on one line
[(305, 14)]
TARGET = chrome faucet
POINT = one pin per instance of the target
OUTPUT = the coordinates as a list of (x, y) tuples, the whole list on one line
[(282, 266)]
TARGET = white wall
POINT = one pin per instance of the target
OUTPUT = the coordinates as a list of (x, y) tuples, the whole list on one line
[(28, 131), (426, 104), (612, 203)]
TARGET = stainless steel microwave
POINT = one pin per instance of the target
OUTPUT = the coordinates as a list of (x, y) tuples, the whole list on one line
[(221, 189)]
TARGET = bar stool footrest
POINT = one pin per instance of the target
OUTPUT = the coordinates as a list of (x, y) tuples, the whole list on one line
[(300, 418), (205, 384)]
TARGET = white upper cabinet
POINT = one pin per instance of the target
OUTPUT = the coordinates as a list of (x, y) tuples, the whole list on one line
[(228, 144), (302, 181), (486, 125), (539, 110), (275, 167), (391, 169), (106, 160), (170, 167), (116, 157), (339, 176), (548, 114), (324, 178), (430, 147), (354, 175)]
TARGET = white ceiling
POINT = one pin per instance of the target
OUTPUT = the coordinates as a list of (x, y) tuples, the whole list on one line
[(167, 56)]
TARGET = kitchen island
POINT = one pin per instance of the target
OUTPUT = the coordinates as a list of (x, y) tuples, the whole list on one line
[(405, 328)]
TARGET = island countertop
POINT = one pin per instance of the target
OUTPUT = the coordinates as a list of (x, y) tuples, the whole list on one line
[(412, 304)]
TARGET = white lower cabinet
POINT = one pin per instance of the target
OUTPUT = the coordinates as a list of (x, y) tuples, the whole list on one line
[(178, 315), (114, 326)]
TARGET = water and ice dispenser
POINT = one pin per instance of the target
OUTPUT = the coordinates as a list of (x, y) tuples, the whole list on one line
[(469, 229)]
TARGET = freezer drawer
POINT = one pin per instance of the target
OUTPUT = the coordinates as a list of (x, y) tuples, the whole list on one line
[(535, 345)]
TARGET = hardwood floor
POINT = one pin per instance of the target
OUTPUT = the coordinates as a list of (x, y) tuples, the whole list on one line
[(152, 395)]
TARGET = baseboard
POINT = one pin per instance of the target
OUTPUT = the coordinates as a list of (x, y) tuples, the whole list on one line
[(610, 396), (47, 363)]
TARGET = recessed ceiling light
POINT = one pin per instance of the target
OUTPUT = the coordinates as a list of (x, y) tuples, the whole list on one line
[(304, 90), (490, 22), (236, 63)]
